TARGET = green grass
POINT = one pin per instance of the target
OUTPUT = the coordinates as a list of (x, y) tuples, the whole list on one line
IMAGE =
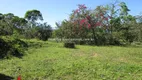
[(54, 62)]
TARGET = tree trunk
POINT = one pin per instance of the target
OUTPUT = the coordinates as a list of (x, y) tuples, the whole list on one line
[(94, 38)]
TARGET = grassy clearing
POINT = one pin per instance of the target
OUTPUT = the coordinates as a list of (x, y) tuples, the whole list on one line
[(54, 62)]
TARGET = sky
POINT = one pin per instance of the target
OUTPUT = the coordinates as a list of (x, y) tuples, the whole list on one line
[(58, 10)]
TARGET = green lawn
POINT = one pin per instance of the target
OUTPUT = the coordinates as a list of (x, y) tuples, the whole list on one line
[(54, 62)]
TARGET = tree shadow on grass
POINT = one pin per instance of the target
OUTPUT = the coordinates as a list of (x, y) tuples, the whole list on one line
[(5, 77)]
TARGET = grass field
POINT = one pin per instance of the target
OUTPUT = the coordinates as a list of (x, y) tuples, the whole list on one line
[(54, 62)]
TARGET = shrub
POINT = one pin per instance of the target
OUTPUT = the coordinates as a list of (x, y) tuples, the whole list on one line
[(82, 42), (4, 48), (12, 47), (69, 45)]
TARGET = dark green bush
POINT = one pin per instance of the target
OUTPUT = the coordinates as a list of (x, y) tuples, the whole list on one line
[(69, 45), (82, 42), (14, 47), (4, 48)]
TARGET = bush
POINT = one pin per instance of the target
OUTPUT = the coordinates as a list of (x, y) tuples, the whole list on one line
[(4, 48), (69, 45), (12, 47)]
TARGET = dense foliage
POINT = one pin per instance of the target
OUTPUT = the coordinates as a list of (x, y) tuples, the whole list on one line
[(105, 25), (12, 47), (26, 27), (69, 45), (14, 28)]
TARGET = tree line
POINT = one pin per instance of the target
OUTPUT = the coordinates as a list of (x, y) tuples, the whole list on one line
[(27, 27), (109, 24)]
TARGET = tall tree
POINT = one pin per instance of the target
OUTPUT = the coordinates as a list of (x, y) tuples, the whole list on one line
[(6, 20), (126, 21), (95, 20), (43, 31), (33, 15)]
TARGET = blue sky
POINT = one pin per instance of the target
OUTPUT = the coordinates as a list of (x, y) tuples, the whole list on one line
[(58, 10)]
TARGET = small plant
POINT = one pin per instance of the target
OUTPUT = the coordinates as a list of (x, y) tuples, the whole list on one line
[(69, 45)]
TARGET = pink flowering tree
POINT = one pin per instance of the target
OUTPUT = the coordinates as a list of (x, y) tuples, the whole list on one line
[(90, 20)]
